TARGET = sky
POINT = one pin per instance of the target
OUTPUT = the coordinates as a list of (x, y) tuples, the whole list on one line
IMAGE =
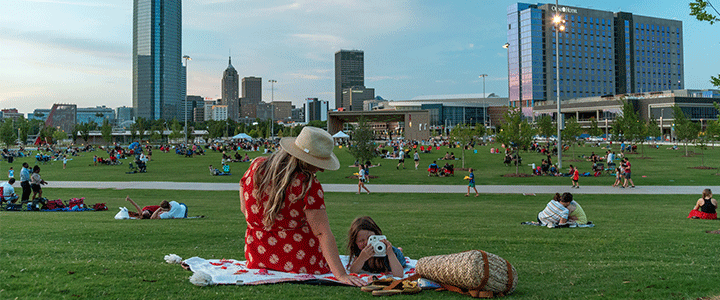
[(80, 51)]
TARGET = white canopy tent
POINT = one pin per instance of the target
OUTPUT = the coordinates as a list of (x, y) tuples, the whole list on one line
[(341, 135), (242, 136)]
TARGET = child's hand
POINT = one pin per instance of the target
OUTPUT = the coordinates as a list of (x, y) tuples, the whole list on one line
[(366, 253), (387, 244)]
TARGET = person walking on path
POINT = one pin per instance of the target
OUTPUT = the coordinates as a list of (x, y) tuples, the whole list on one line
[(626, 163), (362, 178), (416, 158), (575, 177), (25, 182), (471, 184)]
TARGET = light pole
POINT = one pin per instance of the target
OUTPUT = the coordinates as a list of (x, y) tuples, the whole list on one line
[(484, 100), (272, 108), (186, 58), (559, 26)]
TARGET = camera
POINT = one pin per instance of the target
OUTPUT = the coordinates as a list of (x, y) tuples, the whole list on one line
[(376, 242)]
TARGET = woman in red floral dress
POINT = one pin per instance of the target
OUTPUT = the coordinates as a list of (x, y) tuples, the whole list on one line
[(284, 207)]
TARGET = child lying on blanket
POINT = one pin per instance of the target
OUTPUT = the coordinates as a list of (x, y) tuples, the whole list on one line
[(362, 253)]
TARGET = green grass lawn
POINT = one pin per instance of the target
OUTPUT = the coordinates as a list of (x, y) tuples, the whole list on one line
[(643, 247), (661, 167)]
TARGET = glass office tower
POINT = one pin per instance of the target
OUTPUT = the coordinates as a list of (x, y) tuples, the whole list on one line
[(157, 66), (600, 53)]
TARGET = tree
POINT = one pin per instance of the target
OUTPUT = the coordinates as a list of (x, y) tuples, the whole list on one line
[(59, 135), (362, 147), (176, 130), (685, 130), (84, 131), (594, 128), (142, 125), (653, 130), (24, 126), (515, 132), (106, 131), (465, 135), (699, 9), (571, 132), (318, 124), (74, 132), (546, 126), (7, 134)]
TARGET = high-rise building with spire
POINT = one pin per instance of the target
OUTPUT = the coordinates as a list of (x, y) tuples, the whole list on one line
[(157, 66), (230, 91)]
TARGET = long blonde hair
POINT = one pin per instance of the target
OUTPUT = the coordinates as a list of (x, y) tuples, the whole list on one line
[(273, 177)]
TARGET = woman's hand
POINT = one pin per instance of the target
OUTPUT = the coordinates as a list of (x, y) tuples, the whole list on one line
[(387, 244), (351, 280)]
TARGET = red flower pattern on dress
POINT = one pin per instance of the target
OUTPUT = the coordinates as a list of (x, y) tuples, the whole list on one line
[(289, 244)]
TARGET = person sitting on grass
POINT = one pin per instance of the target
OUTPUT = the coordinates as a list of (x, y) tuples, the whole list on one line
[(705, 207), (432, 168), (8, 191), (577, 214), (556, 213)]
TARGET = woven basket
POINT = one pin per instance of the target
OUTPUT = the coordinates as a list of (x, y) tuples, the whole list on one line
[(470, 270)]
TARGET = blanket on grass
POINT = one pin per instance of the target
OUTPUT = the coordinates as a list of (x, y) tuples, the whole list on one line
[(235, 272), (571, 225)]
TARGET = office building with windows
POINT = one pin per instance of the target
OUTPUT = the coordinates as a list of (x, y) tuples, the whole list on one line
[(600, 53), (316, 110), (349, 72), (158, 85)]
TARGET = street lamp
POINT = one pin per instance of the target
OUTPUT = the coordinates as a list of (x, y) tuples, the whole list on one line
[(186, 58), (559, 26), (272, 108), (484, 99)]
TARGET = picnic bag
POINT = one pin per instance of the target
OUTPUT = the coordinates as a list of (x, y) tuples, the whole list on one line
[(475, 273), (76, 203), (53, 204), (100, 206)]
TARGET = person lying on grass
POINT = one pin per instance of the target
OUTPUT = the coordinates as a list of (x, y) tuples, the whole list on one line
[(362, 254), (705, 207), (166, 210)]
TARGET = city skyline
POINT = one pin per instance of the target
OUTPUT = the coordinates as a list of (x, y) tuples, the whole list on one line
[(81, 51)]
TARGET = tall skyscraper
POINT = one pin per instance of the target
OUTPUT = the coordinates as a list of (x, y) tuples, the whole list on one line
[(157, 66), (600, 53), (230, 85), (349, 72), (252, 89)]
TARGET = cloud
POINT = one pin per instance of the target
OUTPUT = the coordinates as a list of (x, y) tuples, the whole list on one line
[(319, 38), (305, 76), (52, 39), (92, 4), (283, 8), (379, 78)]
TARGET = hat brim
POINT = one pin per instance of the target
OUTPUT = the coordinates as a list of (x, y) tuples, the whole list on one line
[(330, 163)]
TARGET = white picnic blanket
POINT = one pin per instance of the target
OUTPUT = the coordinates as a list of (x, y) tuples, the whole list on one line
[(230, 271)]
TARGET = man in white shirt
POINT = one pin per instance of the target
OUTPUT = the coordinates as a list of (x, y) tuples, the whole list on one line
[(8, 191)]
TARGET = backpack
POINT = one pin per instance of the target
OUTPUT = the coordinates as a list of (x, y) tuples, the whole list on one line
[(76, 203), (54, 204), (100, 206)]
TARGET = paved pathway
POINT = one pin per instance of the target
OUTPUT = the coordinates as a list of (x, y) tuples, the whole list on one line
[(393, 188)]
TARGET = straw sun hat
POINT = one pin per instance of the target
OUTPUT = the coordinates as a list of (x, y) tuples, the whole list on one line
[(314, 146)]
